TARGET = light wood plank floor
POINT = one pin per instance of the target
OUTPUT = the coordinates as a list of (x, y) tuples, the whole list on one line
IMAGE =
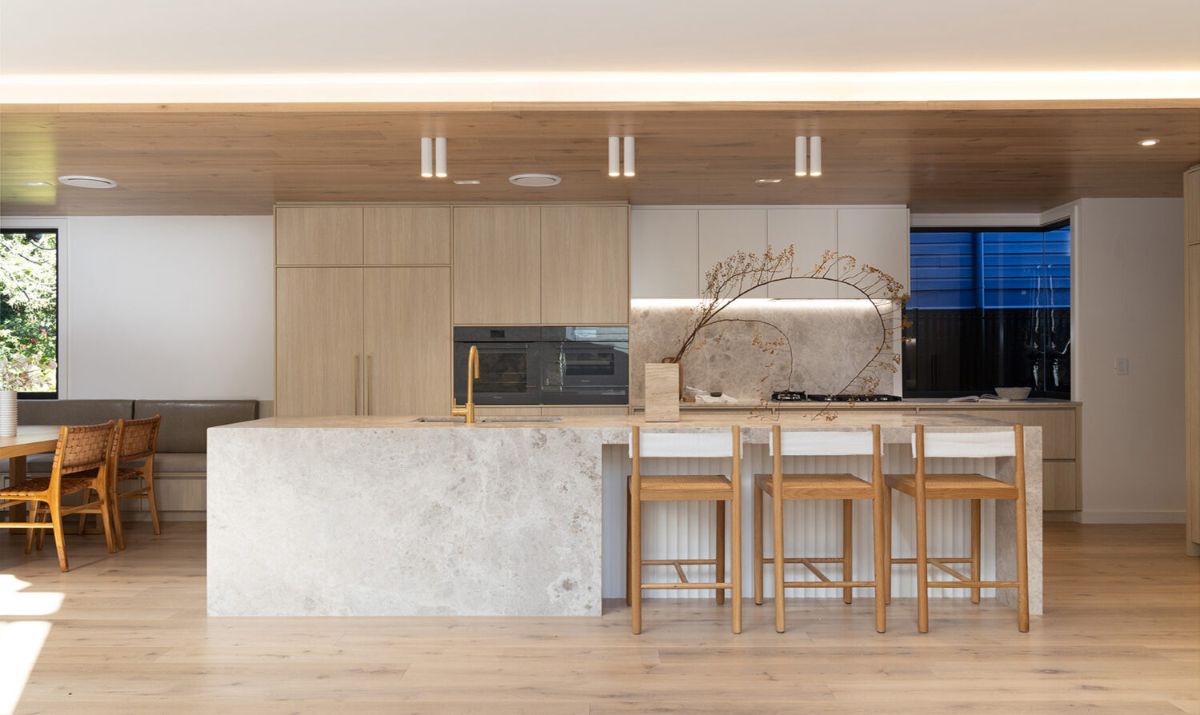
[(1121, 635)]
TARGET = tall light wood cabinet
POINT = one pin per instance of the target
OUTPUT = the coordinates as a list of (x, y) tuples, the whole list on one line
[(407, 348), (370, 338), (406, 235), (1191, 202), (585, 265), (318, 235), (318, 340), (497, 265)]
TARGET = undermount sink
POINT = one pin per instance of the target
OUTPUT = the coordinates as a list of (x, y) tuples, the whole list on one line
[(520, 418), (504, 418)]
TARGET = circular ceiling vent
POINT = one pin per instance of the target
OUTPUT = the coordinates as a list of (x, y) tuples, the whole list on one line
[(535, 181), (87, 182)]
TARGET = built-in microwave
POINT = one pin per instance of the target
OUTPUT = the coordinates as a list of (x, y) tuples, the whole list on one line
[(585, 365), (523, 365)]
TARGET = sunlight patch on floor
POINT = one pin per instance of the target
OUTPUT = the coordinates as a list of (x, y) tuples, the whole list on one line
[(15, 602), (20, 644)]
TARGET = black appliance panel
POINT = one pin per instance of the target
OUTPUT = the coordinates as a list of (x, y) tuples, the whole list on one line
[(585, 365), (509, 365)]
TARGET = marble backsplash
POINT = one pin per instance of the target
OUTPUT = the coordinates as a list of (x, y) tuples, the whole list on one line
[(830, 342)]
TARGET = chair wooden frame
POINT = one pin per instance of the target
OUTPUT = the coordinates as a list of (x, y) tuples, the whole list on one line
[(127, 452), (730, 492), (844, 490), (92, 468), (923, 487)]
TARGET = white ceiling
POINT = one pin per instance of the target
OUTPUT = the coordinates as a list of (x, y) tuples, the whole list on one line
[(359, 36)]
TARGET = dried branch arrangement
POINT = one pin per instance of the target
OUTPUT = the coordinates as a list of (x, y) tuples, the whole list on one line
[(741, 273)]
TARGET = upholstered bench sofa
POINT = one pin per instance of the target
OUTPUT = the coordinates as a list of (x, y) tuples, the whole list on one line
[(180, 467)]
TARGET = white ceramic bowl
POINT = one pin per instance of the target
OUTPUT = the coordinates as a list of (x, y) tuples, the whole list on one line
[(1014, 393)]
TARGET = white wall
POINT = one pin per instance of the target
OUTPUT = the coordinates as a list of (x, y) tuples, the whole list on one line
[(165, 306), (1128, 303)]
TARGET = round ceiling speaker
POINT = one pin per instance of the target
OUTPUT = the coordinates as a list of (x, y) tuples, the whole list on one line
[(535, 181), (87, 182)]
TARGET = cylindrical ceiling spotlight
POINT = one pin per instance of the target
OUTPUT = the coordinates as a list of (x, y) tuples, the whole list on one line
[(801, 156), (629, 162), (439, 157), (426, 157), (814, 157), (614, 156)]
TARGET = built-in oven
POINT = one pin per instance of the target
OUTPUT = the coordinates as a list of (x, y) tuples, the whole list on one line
[(509, 365), (585, 365)]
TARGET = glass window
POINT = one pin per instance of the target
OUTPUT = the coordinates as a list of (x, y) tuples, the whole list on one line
[(29, 311), (989, 308)]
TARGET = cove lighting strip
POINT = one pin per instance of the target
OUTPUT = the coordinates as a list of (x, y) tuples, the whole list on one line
[(772, 303), (599, 87)]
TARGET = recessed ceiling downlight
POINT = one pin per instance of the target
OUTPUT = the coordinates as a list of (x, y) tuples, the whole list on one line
[(87, 182), (535, 181)]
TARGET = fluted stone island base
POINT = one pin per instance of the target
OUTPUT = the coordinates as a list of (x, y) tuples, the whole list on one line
[(375, 516)]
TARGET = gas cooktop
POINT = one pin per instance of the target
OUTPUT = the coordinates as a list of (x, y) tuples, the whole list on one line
[(802, 396)]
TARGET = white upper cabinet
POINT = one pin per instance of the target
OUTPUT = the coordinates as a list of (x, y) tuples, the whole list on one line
[(724, 232), (813, 231), (877, 237), (672, 249), (663, 251)]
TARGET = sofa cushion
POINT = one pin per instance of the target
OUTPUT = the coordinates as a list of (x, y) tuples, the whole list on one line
[(34, 464), (185, 423), (180, 463), (72, 412), (164, 463)]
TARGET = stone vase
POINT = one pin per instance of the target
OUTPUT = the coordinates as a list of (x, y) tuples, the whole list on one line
[(662, 392), (8, 413)]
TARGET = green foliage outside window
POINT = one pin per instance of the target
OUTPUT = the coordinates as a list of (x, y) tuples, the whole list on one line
[(29, 311)]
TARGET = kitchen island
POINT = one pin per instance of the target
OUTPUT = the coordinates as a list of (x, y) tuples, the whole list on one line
[(374, 516)]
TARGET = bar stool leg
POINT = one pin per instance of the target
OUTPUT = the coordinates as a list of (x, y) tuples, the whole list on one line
[(976, 536), (922, 567), (880, 580), (847, 548), (720, 506), (635, 562), (1022, 566), (777, 536), (887, 545), (758, 546), (736, 556), (628, 545)]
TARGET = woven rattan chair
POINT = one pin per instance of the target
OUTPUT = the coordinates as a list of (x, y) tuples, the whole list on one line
[(80, 465), (135, 445)]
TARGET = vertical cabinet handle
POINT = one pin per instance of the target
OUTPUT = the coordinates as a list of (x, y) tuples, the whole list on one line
[(357, 381), (367, 393)]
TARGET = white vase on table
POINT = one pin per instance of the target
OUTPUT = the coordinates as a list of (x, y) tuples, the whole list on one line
[(8, 413)]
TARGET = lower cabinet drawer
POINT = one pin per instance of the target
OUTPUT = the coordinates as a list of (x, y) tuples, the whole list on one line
[(1060, 486)]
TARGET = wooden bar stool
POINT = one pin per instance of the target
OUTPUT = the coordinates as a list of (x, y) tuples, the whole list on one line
[(80, 465), (844, 487), (922, 487), (703, 487)]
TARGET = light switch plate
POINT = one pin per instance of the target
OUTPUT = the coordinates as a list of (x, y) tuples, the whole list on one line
[(1121, 366)]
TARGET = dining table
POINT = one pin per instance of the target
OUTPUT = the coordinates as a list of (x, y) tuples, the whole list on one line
[(30, 440)]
